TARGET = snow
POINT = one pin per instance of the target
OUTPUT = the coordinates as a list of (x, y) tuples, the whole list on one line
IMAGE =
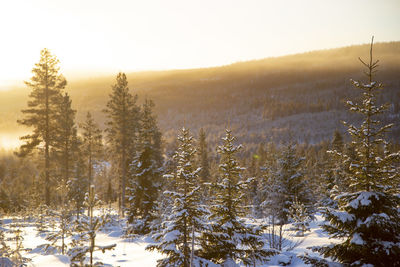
[(131, 252), (363, 199), (343, 216), (5, 262), (357, 239), (171, 236), (229, 263), (127, 252)]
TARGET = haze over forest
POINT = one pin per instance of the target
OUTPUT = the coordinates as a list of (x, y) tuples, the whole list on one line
[(297, 96)]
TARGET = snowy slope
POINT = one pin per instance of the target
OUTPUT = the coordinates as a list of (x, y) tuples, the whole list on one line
[(132, 252)]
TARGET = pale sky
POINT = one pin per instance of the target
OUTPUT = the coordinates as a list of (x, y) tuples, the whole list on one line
[(92, 37)]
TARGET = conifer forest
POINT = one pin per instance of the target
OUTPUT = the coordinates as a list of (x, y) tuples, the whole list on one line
[(284, 161)]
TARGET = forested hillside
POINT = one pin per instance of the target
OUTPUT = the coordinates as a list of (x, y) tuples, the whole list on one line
[(247, 161), (297, 96)]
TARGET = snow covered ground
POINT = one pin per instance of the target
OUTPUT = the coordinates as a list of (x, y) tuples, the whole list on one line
[(130, 252), (126, 253)]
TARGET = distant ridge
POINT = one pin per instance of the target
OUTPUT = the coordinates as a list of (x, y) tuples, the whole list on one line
[(268, 99)]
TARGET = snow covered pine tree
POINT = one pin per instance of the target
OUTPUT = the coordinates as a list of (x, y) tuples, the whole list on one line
[(284, 186), (176, 238), (230, 238), (368, 216)]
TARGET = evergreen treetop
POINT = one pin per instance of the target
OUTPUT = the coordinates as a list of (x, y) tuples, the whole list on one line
[(230, 238), (66, 143), (181, 229), (367, 219), (145, 183), (42, 112), (46, 85), (122, 130)]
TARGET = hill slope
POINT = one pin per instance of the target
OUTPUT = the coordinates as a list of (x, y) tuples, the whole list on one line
[(297, 96)]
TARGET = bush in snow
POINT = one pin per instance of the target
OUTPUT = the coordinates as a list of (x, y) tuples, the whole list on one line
[(87, 227), (62, 218), (367, 218), (64, 229), (15, 253), (5, 250), (41, 222), (301, 218)]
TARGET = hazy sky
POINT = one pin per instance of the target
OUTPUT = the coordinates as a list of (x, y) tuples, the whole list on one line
[(94, 36)]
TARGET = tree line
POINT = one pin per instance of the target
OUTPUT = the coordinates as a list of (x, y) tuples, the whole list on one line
[(193, 201)]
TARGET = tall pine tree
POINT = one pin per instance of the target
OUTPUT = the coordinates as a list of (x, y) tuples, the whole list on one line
[(65, 149), (122, 127), (46, 85), (92, 145), (367, 219), (144, 185), (65, 145)]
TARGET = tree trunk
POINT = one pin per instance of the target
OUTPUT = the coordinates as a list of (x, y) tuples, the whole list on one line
[(92, 234), (192, 252), (123, 181), (185, 245), (46, 141), (280, 236), (90, 167), (62, 241)]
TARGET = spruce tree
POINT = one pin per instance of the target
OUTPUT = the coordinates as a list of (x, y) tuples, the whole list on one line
[(184, 224), (254, 194), (337, 141), (267, 161), (230, 238), (301, 218), (122, 126), (78, 183), (109, 193), (204, 163), (46, 85), (92, 145), (144, 185), (367, 219), (203, 157), (65, 145), (284, 185), (334, 167)]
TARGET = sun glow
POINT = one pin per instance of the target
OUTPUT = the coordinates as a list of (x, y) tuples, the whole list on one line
[(96, 36), (9, 141)]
